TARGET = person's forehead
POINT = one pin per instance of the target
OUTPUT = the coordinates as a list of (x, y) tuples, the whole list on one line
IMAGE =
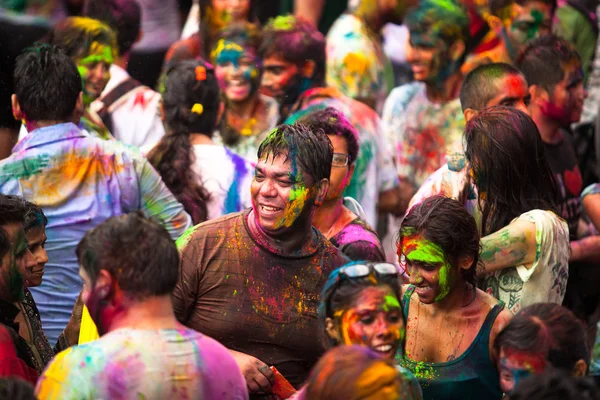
[(339, 142), (527, 10), (277, 60)]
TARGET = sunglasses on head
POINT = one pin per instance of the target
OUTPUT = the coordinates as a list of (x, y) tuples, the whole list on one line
[(364, 270)]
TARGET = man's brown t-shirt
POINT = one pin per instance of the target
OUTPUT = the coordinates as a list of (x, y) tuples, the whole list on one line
[(252, 298)]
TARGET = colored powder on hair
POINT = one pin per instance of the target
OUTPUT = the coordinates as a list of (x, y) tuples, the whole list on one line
[(227, 52), (283, 23)]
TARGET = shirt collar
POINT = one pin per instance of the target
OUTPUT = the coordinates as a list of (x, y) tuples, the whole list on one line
[(49, 134)]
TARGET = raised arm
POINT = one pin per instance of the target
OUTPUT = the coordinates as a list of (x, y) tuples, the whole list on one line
[(512, 245)]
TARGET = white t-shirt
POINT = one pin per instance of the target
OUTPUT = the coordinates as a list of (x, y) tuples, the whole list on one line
[(161, 24), (226, 176), (546, 280), (135, 115)]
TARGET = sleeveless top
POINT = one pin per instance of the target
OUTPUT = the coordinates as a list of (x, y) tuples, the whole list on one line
[(470, 376)]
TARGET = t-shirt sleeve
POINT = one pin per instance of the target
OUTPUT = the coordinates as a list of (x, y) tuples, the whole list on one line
[(443, 182), (186, 290), (551, 239), (226, 380), (386, 172), (59, 381), (157, 201)]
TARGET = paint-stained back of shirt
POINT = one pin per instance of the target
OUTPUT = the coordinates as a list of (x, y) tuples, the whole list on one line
[(80, 181)]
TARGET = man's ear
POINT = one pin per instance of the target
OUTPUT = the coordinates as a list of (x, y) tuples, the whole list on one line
[(332, 330), (16, 108), (308, 69), (538, 94), (104, 286), (457, 50), (495, 24), (351, 169), (579, 369), (469, 113), (322, 187)]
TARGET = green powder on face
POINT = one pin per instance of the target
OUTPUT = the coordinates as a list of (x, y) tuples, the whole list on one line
[(444, 282), (295, 206), (391, 302)]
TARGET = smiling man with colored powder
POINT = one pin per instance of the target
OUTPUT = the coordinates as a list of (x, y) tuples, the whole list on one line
[(78, 180), (252, 279), (422, 121), (294, 73)]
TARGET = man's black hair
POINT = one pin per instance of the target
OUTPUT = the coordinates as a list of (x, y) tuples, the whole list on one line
[(138, 253), (312, 151), (47, 84)]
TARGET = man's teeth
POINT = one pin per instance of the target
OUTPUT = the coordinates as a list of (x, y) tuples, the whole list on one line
[(267, 208), (384, 348)]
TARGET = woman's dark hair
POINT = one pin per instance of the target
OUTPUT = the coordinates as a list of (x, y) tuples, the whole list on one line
[(137, 252), (246, 35), (555, 385), (447, 223), (34, 215), (337, 373), (548, 329), (191, 105), (340, 294), (76, 35), (509, 165), (209, 27)]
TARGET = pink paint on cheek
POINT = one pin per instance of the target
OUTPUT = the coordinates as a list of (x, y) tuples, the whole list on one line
[(220, 74)]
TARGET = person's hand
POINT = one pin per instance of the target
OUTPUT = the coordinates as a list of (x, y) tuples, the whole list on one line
[(258, 375), (73, 327)]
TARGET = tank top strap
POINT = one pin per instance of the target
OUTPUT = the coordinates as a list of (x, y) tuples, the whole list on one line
[(406, 300), (483, 337)]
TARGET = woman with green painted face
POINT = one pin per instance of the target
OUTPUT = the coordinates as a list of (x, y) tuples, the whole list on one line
[(451, 325)]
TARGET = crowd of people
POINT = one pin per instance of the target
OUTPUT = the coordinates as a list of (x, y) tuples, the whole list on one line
[(267, 205)]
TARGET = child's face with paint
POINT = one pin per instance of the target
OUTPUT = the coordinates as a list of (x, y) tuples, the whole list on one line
[(36, 237), (512, 91), (15, 263), (278, 77), (530, 21), (282, 194), (231, 10), (565, 103), (428, 56), (515, 366), (237, 70), (94, 68), (429, 270), (340, 175), (374, 320)]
